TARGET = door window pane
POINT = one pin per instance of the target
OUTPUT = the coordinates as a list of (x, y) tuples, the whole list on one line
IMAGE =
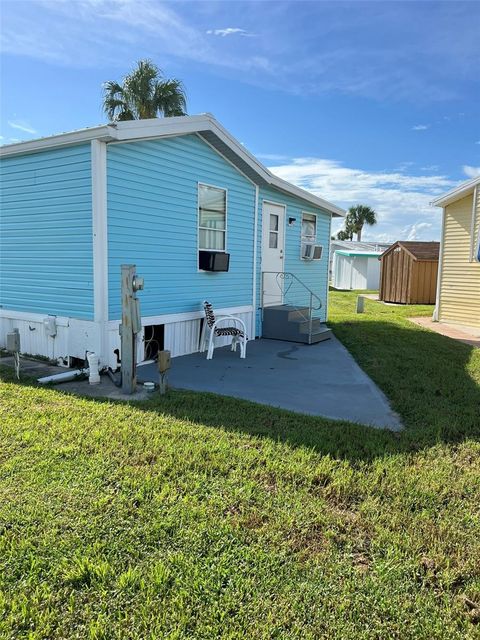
[(273, 241), (273, 222)]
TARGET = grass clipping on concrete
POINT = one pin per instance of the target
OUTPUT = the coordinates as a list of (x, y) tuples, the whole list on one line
[(196, 516)]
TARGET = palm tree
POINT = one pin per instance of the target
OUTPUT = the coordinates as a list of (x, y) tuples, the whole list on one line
[(345, 234), (357, 217), (144, 93)]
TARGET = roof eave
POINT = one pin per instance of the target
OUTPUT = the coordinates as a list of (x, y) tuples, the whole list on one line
[(104, 132), (458, 193), (159, 127), (282, 185), (267, 175)]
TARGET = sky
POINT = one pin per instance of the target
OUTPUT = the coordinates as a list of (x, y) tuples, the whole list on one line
[(375, 103)]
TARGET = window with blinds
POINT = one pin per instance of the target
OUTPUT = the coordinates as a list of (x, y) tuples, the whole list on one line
[(212, 218)]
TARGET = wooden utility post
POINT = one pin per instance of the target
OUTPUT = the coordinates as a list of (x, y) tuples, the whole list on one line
[(164, 364), (131, 325)]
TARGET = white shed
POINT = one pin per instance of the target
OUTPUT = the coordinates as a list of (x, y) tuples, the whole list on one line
[(356, 269)]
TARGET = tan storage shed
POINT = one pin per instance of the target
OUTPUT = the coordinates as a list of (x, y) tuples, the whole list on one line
[(408, 272)]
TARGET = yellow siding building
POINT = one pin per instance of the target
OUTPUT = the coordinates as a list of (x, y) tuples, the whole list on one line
[(458, 284)]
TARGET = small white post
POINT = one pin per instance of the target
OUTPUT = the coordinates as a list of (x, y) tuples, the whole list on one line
[(360, 304)]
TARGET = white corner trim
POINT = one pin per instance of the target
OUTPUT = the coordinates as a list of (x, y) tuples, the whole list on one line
[(476, 249), (255, 248), (436, 310), (327, 292), (473, 240), (99, 228)]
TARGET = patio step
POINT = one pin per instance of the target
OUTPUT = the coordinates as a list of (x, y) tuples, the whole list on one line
[(286, 322)]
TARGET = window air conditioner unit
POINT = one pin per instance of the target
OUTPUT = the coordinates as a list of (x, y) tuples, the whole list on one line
[(311, 251), (213, 260)]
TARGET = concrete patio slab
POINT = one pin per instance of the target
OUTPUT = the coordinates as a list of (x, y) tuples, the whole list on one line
[(460, 332), (321, 379)]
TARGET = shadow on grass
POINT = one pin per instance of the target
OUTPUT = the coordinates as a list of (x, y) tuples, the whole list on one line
[(431, 381)]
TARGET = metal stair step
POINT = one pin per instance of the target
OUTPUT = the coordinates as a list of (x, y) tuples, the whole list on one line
[(292, 312), (321, 328), (304, 325), (278, 325), (324, 334)]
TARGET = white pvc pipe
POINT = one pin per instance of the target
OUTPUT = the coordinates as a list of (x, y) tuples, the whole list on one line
[(66, 376), (93, 366), (141, 364)]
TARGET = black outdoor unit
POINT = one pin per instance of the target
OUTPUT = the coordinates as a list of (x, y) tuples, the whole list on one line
[(213, 261)]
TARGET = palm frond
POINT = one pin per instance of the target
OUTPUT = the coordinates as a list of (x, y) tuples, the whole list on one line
[(113, 99), (170, 97), (125, 114), (144, 93)]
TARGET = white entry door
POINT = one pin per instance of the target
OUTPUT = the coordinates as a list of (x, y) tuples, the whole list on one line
[(273, 240)]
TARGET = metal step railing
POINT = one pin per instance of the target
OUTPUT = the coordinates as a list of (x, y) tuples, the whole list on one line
[(285, 280)]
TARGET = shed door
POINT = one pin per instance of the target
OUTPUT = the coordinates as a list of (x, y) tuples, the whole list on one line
[(273, 240)]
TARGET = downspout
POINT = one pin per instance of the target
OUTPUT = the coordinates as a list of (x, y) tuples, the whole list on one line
[(436, 311), (254, 292), (327, 293)]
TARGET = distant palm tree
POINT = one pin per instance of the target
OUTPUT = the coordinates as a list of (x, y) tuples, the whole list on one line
[(144, 93), (357, 217), (345, 234)]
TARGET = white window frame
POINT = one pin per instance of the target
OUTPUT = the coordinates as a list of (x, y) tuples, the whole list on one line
[(224, 231), (307, 239)]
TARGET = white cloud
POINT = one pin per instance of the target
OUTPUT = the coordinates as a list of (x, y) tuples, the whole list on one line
[(73, 34), (430, 167), (414, 232), (471, 172), (477, 142), (230, 31), (401, 200), (21, 125), (273, 157), (404, 166), (288, 56), (420, 127)]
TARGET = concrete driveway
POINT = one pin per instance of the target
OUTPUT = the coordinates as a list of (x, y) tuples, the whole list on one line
[(321, 379)]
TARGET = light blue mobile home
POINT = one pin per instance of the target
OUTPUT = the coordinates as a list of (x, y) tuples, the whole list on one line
[(162, 194)]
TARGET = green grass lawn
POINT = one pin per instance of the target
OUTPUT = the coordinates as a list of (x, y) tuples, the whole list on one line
[(197, 516)]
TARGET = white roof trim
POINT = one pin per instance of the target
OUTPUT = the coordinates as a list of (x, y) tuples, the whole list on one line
[(456, 194), (160, 127)]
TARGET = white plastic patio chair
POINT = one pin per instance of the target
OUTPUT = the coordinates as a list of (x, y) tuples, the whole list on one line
[(235, 328)]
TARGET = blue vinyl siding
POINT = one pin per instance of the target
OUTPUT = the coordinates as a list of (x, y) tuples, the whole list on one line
[(46, 252), (153, 220), (314, 273)]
